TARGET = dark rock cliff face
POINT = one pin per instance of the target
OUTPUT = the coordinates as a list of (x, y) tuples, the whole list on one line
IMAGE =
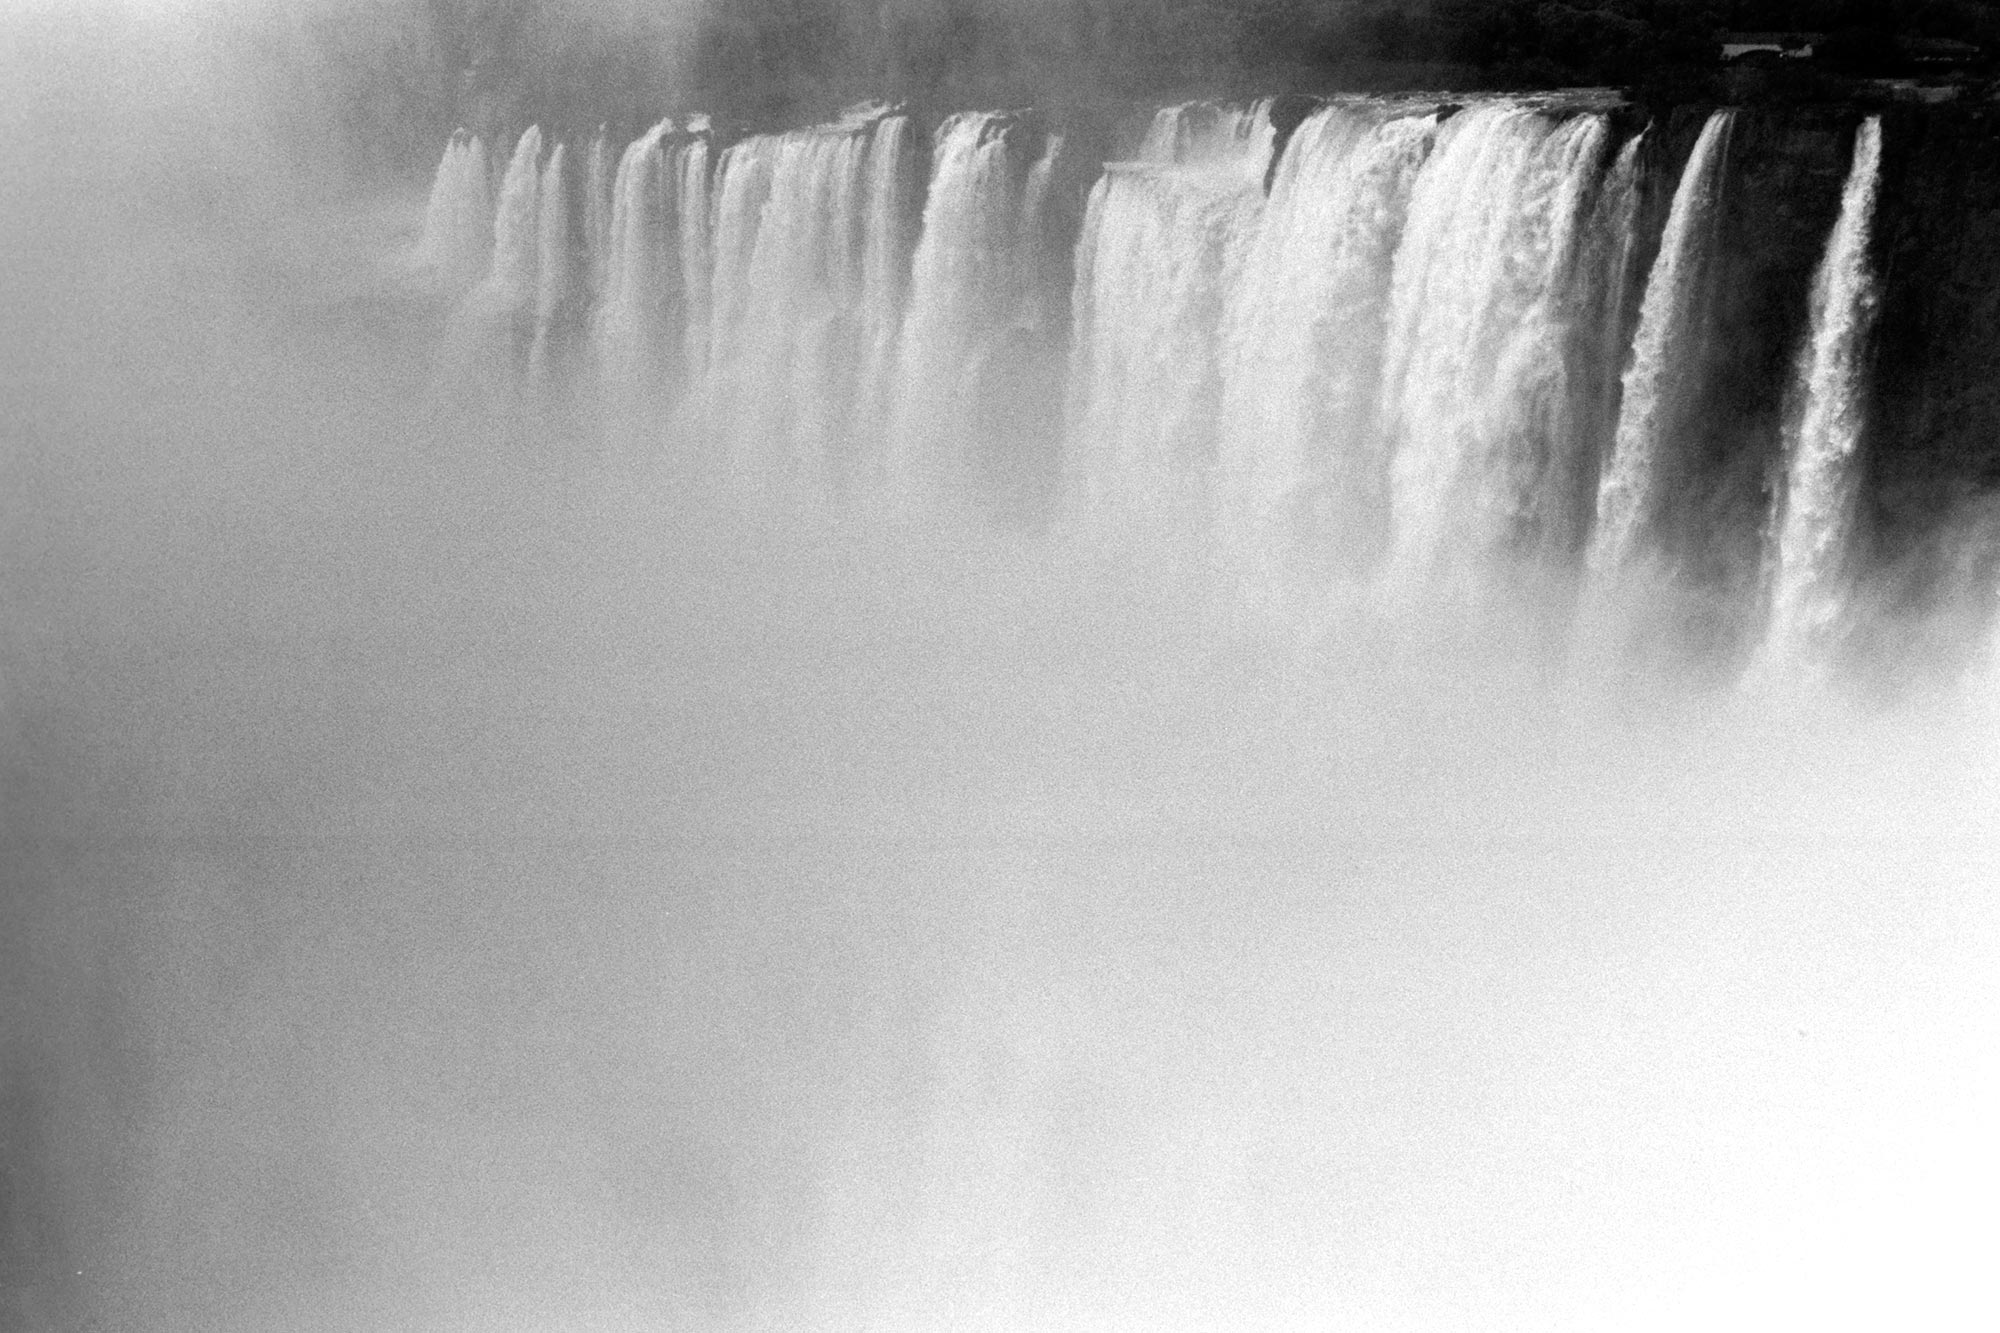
[(1934, 441)]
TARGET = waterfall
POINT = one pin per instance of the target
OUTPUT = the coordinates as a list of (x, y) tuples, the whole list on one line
[(511, 282), (1197, 133), (440, 210), (1398, 348), (695, 253), (1388, 332), (1603, 332), (1476, 405), (628, 318), (597, 188), (1301, 462), (493, 327), (1666, 345), (789, 306), (1163, 239), (1815, 527), (1033, 239), (888, 239), (1393, 353), (811, 245), (555, 264), (966, 290), (456, 243)]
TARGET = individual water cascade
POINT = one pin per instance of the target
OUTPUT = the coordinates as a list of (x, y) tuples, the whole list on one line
[(1814, 530), (1665, 347), (966, 291), (742, 187), (888, 237), (1477, 408), (1164, 238), (510, 284), (492, 328), (556, 279), (694, 250), (457, 239), (1033, 240), (598, 179), (1602, 331), (629, 314), (1301, 463), (788, 334)]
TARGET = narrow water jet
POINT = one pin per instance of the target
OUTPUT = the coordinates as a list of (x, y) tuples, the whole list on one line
[(1815, 528), (599, 175), (1603, 335), (893, 195), (511, 283), (1656, 391), (556, 284)]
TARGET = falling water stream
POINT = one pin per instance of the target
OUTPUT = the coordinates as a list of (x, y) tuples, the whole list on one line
[(1816, 522), (1669, 337)]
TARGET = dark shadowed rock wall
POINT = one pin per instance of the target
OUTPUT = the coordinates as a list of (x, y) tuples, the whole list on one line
[(1935, 437)]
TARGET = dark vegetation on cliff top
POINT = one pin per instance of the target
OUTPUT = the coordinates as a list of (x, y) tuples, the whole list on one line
[(404, 71)]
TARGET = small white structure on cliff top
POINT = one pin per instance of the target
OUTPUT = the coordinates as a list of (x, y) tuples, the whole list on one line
[(1783, 45)]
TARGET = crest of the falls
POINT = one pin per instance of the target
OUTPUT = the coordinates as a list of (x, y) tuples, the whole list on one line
[(456, 244), (807, 287), (1664, 347), (1227, 136), (1164, 240), (1301, 468), (1816, 516), (1477, 405)]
